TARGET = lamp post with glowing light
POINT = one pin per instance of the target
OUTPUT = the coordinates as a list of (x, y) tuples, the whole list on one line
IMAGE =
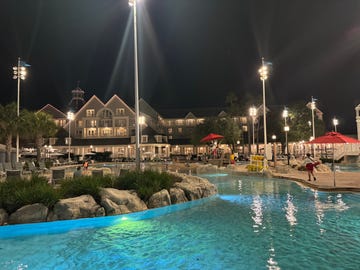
[(285, 115), (273, 137), (335, 122), (252, 113), (19, 73), (70, 117), (313, 107), (132, 3), (264, 72)]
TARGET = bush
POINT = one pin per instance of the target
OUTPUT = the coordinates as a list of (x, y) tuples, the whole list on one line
[(145, 183), (85, 185), (18, 192)]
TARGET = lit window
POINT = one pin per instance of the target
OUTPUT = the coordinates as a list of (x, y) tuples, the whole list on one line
[(120, 111), (90, 112)]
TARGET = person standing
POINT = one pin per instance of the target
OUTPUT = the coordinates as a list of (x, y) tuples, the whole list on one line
[(309, 165)]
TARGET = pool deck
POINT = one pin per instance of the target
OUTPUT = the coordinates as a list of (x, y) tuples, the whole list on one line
[(344, 181)]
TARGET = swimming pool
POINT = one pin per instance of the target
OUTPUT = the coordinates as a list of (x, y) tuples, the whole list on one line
[(254, 223)]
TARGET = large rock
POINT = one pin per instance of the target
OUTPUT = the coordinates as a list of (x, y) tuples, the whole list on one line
[(118, 202), (79, 207), (177, 195), (3, 217), (195, 187), (159, 199), (29, 214)]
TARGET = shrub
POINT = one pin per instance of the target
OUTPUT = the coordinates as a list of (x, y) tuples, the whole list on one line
[(19, 192), (145, 183), (85, 185)]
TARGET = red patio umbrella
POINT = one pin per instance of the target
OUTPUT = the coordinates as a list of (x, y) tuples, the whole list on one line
[(333, 138), (211, 137)]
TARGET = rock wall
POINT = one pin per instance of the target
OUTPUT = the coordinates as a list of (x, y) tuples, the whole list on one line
[(113, 202)]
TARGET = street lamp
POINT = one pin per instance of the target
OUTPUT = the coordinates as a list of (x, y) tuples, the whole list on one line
[(19, 73), (252, 113), (264, 71), (335, 122), (132, 3), (287, 129), (70, 117), (273, 137), (285, 115), (313, 107)]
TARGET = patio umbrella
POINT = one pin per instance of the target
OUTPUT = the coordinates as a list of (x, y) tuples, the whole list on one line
[(333, 138), (211, 137)]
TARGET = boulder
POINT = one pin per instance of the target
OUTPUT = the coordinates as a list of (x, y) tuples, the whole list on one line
[(118, 202), (29, 214), (73, 208), (177, 195), (195, 187), (159, 199), (3, 217)]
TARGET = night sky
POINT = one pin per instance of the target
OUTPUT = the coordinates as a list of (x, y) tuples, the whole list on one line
[(191, 52)]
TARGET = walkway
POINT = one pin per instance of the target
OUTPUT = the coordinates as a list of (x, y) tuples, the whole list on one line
[(344, 181)]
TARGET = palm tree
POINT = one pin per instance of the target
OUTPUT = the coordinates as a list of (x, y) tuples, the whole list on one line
[(9, 124), (38, 125)]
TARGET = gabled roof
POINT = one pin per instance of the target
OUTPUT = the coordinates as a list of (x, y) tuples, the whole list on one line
[(190, 115), (54, 112), (115, 98), (147, 109), (93, 99)]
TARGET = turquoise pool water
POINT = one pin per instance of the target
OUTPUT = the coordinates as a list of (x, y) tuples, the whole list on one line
[(254, 223)]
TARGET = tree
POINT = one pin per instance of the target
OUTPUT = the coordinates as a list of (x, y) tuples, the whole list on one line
[(298, 121), (9, 124), (225, 126), (37, 126)]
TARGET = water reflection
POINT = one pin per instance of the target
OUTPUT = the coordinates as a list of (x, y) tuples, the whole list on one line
[(291, 210), (240, 185), (333, 202), (256, 207), (272, 263)]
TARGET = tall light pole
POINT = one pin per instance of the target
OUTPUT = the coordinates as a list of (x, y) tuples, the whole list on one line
[(313, 107), (137, 114), (335, 122), (252, 113), (264, 71), (285, 115), (70, 117), (19, 73)]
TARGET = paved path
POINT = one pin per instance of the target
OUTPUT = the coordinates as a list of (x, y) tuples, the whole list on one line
[(325, 180)]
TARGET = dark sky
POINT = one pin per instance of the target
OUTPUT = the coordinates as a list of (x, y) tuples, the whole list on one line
[(191, 52)]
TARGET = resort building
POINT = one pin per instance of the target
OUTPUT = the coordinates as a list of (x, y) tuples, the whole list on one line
[(110, 127)]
